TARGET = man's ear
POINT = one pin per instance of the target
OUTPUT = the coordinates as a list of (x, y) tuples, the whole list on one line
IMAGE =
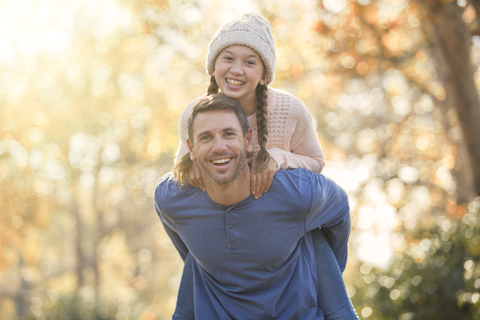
[(192, 150), (248, 140)]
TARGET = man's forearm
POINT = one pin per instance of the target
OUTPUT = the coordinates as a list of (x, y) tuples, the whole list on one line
[(337, 236)]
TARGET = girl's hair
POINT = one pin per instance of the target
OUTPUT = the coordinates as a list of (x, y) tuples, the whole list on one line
[(262, 160), (181, 167)]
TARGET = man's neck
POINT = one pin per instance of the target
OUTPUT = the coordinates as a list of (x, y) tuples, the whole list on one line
[(230, 193)]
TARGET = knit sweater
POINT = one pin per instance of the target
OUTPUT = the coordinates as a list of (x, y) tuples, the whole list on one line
[(291, 140)]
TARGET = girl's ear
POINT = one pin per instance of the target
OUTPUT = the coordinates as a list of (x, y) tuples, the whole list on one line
[(263, 80)]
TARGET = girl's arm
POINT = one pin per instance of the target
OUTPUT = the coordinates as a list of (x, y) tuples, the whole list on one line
[(297, 145), (292, 140)]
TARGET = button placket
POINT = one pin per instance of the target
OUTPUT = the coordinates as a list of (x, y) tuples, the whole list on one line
[(232, 235)]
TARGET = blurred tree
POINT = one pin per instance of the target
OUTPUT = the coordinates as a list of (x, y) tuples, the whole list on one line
[(367, 37), (83, 139), (454, 64)]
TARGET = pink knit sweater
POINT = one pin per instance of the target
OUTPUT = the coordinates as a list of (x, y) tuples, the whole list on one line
[(291, 141)]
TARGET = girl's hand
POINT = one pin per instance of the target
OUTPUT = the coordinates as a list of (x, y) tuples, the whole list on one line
[(194, 176), (260, 183)]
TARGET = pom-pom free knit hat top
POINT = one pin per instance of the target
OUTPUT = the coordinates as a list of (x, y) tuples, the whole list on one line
[(251, 30)]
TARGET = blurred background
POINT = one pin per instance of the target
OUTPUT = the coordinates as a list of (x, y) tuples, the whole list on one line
[(90, 97)]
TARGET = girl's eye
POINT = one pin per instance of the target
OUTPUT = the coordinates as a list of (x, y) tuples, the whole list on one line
[(251, 62)]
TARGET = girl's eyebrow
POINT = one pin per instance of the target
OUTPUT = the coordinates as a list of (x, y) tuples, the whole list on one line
[(250, 56)]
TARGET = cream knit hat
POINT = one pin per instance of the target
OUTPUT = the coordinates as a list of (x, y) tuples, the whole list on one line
[(251, 30)]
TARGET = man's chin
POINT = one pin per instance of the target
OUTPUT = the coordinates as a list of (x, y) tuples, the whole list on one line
[(221, 179)]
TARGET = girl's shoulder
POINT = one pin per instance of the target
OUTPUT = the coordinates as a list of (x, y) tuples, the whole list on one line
[(281, 95), (280, 101)]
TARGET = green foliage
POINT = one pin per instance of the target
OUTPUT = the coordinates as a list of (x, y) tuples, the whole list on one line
[(437, 276)]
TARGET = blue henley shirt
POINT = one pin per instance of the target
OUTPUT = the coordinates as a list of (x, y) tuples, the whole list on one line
[(255, 259)]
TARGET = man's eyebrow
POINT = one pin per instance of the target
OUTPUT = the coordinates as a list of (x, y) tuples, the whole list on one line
[(209, 131), (229, 129)]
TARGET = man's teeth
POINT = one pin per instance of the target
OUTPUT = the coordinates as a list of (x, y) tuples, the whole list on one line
[(235, 82), (220, 161)]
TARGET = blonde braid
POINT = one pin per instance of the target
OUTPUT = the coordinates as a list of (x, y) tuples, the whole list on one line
[(213, 87), (262, 160)]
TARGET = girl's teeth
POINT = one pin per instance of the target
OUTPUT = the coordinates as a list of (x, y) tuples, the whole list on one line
[(235, 82)]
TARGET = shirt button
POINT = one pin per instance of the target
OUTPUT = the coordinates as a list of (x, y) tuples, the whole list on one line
[(231, 227)]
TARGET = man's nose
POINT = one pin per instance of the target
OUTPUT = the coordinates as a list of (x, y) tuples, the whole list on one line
[(219, 145)]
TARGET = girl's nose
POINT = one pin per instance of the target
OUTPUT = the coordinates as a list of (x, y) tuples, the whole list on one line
[(236, 69)]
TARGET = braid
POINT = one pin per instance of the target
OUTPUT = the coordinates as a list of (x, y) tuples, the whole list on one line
[(262, 159), (181, 167), (213, 87)]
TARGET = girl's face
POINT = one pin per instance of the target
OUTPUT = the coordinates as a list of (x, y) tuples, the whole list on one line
[(238, 71)]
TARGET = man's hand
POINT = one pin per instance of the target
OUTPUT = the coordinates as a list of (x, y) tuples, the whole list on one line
[(260, 183), (194, 176)]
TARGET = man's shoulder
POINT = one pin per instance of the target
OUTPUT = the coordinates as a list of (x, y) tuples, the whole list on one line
[(303, 180), (166, 180), (295, 179), (167, 186), (171, 198), (298, 173)]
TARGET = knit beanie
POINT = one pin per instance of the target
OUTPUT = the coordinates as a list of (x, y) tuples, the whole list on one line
[(251, 30)]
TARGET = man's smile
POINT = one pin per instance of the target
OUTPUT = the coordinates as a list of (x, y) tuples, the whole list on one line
[(221, 161)]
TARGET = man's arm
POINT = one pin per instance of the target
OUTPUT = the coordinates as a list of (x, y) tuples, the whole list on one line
[(167, 224), (331, 212), (177, 241)]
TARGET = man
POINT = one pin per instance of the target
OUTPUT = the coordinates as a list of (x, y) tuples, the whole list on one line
[(251, 259)]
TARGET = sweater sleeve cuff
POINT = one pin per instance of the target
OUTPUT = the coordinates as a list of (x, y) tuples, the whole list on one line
[(277, 155)]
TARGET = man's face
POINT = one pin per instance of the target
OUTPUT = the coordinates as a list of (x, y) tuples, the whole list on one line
[(219, 145)]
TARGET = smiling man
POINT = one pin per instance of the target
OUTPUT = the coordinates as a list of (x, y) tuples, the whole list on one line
[(251, 259)]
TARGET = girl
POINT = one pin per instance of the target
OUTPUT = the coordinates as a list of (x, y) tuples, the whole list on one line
[(241, 64)]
